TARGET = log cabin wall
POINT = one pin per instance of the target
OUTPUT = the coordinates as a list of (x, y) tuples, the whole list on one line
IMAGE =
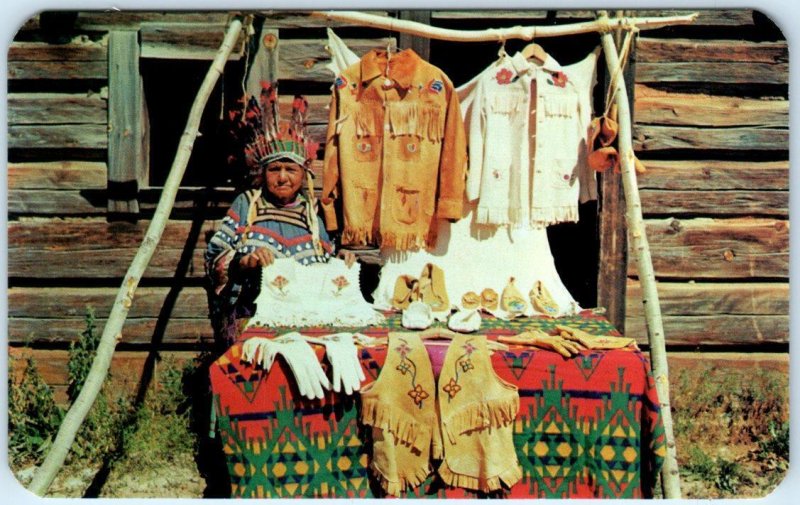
[(97, 102), (711, 125)]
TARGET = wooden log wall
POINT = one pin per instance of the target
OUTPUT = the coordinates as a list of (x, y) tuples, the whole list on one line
[(66, 251), (711, 124)]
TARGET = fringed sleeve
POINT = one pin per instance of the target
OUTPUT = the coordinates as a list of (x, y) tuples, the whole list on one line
[(453, 161)]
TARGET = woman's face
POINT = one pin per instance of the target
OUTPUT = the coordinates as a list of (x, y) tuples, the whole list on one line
[(284, 180)]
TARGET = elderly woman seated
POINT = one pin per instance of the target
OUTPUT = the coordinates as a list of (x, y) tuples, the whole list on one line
[(275, 218)]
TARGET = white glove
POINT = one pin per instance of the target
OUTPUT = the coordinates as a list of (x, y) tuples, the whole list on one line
[(302, 360), (367, 341), (343, 357), (255, 350)]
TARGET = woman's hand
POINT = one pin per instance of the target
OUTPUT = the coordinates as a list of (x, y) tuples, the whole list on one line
[(261, 257), (348, 257)]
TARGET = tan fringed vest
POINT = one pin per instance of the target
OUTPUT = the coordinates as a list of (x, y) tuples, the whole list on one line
[(466, 420)]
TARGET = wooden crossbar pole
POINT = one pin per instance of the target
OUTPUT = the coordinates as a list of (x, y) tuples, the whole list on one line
[(604, 25), (112, 332), (670, 480)]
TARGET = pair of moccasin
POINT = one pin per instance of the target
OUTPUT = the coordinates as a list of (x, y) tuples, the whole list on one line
[(488, 300), (515, 304), (603, 156), (512, 302), (428, 288)]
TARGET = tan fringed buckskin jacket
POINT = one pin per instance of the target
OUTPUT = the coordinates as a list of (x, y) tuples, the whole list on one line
[(396, 151), (466, 420)]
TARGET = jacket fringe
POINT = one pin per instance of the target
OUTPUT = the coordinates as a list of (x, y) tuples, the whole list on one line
[(507, 103), (403, 119), (479, 416), (396, 421), (498, 215), (545, 216), (509, 477), (565, 106), (397, 487), (415, 119), (368, 119), (357, 236), (405, 241)]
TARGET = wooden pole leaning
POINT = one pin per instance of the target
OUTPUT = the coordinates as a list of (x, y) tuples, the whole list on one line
[(670, 479), (494, 34), (112, 333)]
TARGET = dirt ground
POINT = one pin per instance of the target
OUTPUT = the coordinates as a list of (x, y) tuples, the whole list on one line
[(183, 480)]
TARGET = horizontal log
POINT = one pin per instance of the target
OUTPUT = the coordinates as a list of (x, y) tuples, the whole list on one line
[(656, 138), (713, 72), (56, 202), (60, 175), (105, 263), (747, 362), (95, 248), (688, 109), (44, 202), (125, 373), (69, 303), (653, 50), (58, 136), (129, 19), (715, 202), (57, 70), (56, 108), (706, 17), (110, 20), (186, 41), (91, 234), (305, 59), (78, 50), (301, 19), (707, 298), (75, 60), (709, 175), (714, 17), (177, 331), (705, 248), (717, 330)]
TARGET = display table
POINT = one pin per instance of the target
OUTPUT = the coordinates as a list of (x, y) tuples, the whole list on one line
[(588, 426)]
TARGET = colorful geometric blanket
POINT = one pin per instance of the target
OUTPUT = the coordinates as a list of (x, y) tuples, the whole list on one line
[(588, 426)]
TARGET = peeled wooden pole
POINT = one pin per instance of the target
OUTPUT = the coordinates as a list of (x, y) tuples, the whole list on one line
[(112, 332), (495, 34), (670, 480)]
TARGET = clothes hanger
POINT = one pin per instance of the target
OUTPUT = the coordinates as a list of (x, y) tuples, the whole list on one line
[(534, 51), (501, 53)]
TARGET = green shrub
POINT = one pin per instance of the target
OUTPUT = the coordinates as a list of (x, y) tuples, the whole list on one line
[(33, 417), (729, 476), (81, 356), (160, 431)]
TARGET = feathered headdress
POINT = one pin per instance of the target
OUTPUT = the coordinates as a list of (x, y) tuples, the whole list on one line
[(266, 138)]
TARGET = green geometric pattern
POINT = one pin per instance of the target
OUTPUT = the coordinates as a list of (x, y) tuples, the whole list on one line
[(291, 460), (557, 450), (304, 451), (587, 322)]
